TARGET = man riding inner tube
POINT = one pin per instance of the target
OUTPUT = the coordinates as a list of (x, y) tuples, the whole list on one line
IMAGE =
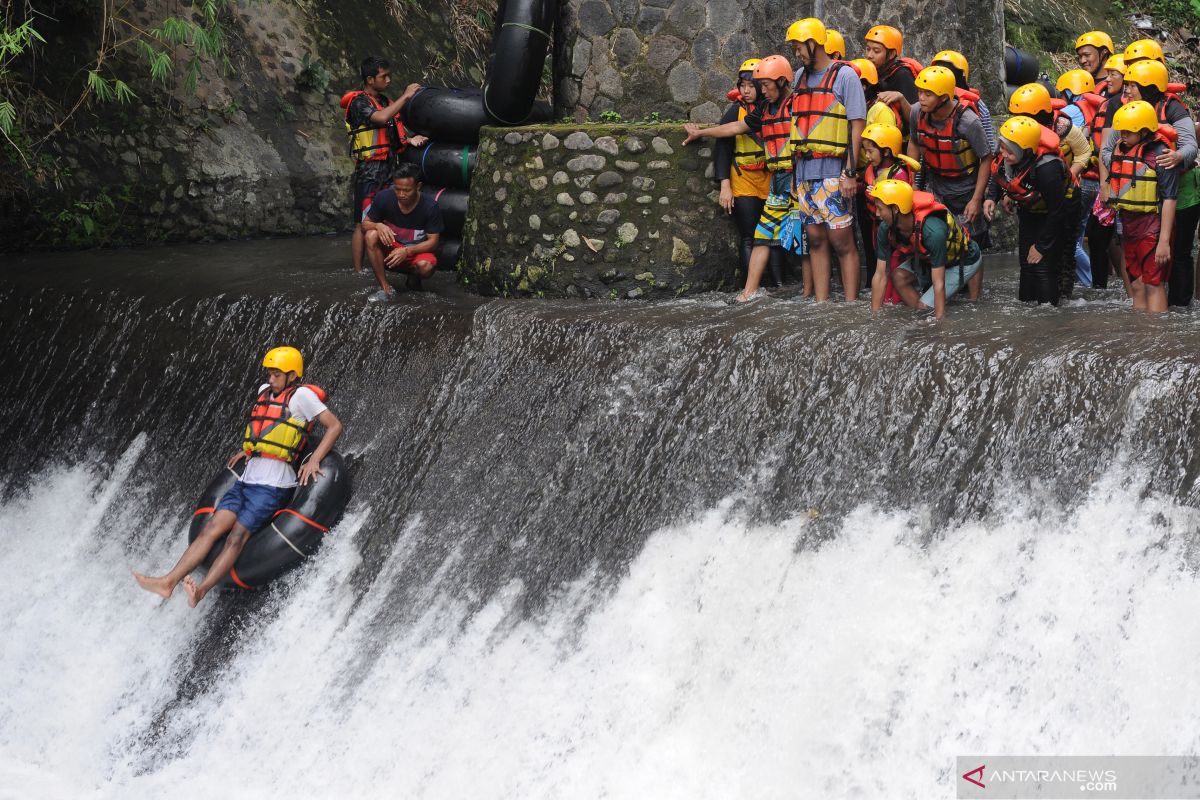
[(282, 416)]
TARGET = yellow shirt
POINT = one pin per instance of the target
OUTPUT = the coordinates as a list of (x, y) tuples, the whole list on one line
[(749, 183)]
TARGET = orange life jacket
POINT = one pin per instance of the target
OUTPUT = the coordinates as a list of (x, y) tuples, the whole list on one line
[(925, 205), (1022, 187), (273, 432), (1133, 173), (945, 152), (776, 134), (370, 142)]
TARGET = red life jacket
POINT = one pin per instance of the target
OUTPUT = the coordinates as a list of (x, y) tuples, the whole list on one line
[(371, 142), (946, 152), (272, 431), (1022, 187), (1102, 87), (776, 134), (910, 64)]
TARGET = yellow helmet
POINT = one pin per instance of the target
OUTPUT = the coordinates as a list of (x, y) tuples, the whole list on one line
[(1136, 116), (1032, 98), (866, 70), (1024, 132), (1076, 81), (1096, 39), (886, 35), (885, 137), (835, 44), (938, 80), (809, 29), (1115, 63), (955, 59), (894, 193), (1147, 73), (748, 65), (285, 359), (1143, 48)]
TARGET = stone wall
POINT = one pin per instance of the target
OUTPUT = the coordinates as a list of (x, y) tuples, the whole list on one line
[(258, 150), (679, 57), (597, 211)]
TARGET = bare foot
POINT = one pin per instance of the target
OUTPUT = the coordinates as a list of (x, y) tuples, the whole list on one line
[(193, 591), (159, 586)]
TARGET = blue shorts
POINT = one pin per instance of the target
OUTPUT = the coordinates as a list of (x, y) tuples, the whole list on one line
[(254, 503)]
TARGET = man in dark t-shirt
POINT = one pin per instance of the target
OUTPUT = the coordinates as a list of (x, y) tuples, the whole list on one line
[(403, 227)]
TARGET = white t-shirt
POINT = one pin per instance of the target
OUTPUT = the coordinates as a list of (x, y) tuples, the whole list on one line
[(304, 406)]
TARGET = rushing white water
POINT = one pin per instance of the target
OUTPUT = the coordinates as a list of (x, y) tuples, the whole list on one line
[(727, 661)]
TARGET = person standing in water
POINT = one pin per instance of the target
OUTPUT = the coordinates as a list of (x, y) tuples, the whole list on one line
[(281, 418)]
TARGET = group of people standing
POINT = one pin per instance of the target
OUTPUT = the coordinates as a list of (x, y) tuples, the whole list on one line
[(911, 155)]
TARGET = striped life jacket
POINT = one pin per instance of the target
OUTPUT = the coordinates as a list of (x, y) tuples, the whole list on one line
[(272, 431), (370, 142), (776, 134), (1133, 174), (821, 129)]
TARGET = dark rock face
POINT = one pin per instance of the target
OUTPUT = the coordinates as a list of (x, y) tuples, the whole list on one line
[(677, 58), (616, 212)]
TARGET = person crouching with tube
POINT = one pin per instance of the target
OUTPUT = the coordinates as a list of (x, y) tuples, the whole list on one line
[(1143, 190), (881, 146), (741, 165), (1029, 174), (918, 233)]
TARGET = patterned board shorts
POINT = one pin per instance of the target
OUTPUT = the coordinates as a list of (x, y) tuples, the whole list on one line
[(778, 226), (821, 203)]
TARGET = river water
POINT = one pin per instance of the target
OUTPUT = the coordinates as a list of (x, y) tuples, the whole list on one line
[(680, 550)]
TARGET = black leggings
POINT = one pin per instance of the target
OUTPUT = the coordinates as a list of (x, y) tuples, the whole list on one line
[(866, 228), (1182, 281), (746, 211), (1099, 238), (1039, 282)]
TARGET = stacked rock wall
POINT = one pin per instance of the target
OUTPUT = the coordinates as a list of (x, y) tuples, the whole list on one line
[(677, 58), (613, 211)]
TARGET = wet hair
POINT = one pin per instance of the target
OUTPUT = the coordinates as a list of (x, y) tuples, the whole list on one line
[(405, 171), (959, 80), (371, 65)]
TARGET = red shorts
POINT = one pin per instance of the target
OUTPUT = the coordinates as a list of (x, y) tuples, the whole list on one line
[(1139, 240), (419, 261)]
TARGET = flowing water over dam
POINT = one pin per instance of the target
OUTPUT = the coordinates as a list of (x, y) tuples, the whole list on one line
[(680, 550)]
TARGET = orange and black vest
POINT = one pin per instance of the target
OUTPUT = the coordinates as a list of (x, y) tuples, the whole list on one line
[(1133, 173), (776, 134), (890, 68), (1022, 187), (925, 205), (821, 129), (273, 432), (370, 142), (945, 152)]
